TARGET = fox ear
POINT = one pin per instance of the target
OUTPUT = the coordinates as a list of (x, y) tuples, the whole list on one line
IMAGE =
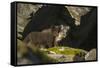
[(61, 27), (68, 27), (52, 28)]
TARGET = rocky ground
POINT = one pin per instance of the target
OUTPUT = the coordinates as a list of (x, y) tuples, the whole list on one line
[(34, 55)]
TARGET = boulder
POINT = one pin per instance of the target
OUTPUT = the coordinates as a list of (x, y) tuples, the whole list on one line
[(91, 55)]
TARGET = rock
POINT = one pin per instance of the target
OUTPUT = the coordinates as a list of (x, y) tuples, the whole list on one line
[(52, 52), (76, 12), (91, 55), (62, 49), (24, 12), (78, 58), (43, 49), (61, 57), (56, 56)]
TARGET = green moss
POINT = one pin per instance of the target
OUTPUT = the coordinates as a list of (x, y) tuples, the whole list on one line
[(65, 51)]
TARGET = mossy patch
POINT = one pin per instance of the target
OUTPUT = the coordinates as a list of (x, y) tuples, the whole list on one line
[(65, 50)]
